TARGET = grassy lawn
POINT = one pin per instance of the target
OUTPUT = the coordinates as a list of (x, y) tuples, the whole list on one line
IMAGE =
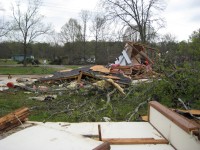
[(79, 105), (83, 104), (19, 70), (27, 70), (7, 62)]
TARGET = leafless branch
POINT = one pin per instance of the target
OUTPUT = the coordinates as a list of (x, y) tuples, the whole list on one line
[(109, 94), (137, 109)]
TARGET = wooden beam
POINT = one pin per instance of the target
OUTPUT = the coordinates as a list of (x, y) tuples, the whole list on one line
[(122, 141)]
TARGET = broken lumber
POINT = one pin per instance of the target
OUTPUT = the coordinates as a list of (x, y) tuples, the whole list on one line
[(117, 86), (13, 119), (135, 141)]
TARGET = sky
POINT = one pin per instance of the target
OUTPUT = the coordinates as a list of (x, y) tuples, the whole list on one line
[(182, 16)]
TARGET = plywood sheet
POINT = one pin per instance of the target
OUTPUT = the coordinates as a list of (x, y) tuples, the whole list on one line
[(100, 68)]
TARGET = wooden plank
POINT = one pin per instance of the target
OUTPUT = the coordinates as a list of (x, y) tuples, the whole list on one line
[(12, 125), (122, 141), (10, 115), (13, 119), (179, 120), (111, 77), (100, 68)]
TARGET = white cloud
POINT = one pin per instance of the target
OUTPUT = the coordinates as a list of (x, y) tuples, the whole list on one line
[(182, 17)]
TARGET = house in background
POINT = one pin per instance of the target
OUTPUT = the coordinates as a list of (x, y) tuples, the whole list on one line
[(20, 57)]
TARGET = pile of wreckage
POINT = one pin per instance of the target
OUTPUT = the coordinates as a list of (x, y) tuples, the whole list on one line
[(133, 64)]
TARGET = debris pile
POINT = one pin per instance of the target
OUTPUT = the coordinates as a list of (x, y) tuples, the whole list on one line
[(134, 63), (95, 82), (98, 76)]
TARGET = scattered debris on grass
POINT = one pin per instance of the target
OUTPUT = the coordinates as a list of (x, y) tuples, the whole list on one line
[(102, 80)]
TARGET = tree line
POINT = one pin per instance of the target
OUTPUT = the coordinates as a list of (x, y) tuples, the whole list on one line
[(73, 52)]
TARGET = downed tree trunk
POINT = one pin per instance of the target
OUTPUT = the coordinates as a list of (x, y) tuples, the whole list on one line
[(13, 119)]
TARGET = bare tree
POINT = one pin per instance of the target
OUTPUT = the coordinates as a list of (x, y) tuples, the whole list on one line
[(4, 25), (98, 25), (168, 38), (143, 13), (85, 16), (71, 37), (28, 24), (4, 28), (131, 34), (71, 31)]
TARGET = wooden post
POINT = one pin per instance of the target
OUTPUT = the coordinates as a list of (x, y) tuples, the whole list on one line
[(99, 130)]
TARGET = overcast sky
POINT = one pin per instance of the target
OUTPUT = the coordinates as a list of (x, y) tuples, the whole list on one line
[(182, 16)]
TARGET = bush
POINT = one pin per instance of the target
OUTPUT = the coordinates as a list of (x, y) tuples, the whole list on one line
[(183, 83)]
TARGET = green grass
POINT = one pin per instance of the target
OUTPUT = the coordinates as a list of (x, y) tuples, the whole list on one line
[(73, 66), (80, 105), (10, 102), (7, 62), (84, 105), (19, 70)]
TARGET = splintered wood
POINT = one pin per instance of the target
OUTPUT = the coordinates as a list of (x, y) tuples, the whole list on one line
[(13, 119)]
